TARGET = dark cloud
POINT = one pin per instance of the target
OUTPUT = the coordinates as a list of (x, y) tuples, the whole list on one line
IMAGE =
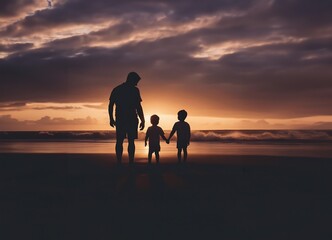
[(14, 106), (88, 12), (63, 122), (81, 12), (57, 108), (19, 106), (101, 106), (13, 7), (5, 119), (322, 125), (271, 20), (9, 48), (7, 122), (241, 17), (305, 13), (254, 80), (280, 68)]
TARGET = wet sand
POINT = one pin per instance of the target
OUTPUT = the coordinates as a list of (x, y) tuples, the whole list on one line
[(87, 196)]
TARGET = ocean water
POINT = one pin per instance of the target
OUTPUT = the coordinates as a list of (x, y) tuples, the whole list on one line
[(301, 143)]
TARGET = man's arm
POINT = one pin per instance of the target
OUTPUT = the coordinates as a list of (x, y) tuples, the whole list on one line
[(141, 116), (110, 112)]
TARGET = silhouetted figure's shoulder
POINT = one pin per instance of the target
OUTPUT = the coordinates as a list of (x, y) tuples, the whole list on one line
[(127, 98), (148, 131), (125, 91), (156, 130), (181, 125), (182, 130)]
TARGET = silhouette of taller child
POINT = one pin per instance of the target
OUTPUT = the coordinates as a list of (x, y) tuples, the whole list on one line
[(182, 130), (127, 99)]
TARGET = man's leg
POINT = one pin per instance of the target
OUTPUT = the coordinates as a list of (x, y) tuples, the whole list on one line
[(157, 156), (131, 150), (119, 149)]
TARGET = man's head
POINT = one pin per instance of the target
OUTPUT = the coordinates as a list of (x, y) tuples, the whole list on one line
[(133, 78), (154, 120), (182, 115)]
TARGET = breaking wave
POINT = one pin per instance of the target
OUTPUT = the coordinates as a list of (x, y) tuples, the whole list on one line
[(263, 136), (210, 136)]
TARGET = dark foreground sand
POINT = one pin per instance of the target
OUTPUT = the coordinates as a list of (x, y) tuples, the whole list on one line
[(58, 196)]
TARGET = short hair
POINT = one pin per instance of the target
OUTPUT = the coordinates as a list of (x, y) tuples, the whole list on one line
[(154, 119), (133, 78), (182, 114)]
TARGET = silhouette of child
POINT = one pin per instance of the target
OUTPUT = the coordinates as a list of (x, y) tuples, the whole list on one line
[(153, 134), (182, 130)]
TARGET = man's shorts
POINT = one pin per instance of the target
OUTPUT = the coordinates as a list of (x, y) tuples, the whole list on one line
[(126, 128)]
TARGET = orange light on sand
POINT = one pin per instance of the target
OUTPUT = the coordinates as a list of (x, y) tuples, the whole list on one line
[(145, 150)]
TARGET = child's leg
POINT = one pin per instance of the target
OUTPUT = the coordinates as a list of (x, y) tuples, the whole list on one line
[(179, 154), (185, 154), (149, 156), (157, 156)]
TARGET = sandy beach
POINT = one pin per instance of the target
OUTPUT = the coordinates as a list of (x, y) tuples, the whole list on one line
[(86, 196)]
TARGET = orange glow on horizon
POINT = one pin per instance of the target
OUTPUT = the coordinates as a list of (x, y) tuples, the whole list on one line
[(94, 116)]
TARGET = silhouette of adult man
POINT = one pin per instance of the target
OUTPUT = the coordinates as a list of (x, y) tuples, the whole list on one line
[(127, 99)]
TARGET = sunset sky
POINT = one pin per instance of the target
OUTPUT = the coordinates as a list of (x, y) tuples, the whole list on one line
[(232, 64)]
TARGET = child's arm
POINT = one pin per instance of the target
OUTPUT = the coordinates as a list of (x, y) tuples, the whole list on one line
[(163, 137), (171, 134), (166, 140), (146, 137), (162, 134), (189, 134)]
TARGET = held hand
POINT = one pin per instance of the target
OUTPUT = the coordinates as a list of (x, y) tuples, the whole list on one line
[(112, 123), (142, 125)]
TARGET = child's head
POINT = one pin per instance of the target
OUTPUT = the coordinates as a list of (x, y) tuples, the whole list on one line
[(154, 120), (182, 115)]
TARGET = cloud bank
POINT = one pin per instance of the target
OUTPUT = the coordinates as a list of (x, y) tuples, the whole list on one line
[(259, 59)]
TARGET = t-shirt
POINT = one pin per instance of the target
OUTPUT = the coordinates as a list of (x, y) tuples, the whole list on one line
[(154, 133), (126, 98), (182, 130)]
